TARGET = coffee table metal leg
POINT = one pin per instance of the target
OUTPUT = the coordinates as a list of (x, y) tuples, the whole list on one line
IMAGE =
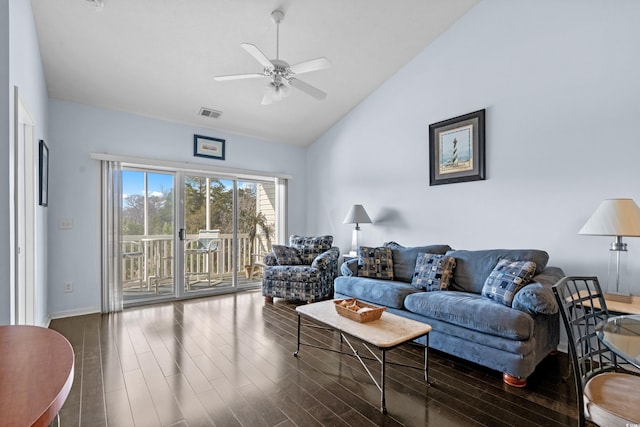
[(298, 345), (426, 360), (383, 408)]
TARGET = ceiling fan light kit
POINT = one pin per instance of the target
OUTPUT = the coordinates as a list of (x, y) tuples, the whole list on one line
[(280, 73)]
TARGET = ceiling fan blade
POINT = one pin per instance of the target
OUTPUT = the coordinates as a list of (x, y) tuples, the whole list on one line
[(308, 89), (257, 54), (238, 77), (311, 65)]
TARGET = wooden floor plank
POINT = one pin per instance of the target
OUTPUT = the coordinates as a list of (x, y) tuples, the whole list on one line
[(228, 361)]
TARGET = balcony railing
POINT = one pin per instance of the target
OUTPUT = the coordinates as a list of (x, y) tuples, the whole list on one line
[(148, 261)]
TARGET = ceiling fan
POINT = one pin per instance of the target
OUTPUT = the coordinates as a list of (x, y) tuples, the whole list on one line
[(281, 74)]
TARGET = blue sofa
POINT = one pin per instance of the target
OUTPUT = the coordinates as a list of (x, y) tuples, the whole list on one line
[(511, 340)]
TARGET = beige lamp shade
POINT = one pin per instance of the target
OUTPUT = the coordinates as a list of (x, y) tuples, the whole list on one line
[(357, 215), (614, 217)]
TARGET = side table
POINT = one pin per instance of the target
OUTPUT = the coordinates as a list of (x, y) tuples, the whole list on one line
[(623, 307), (36, 373), (347, 257), (617, 307)]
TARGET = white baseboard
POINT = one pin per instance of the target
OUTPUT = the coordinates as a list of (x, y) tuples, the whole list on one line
[(75, 312)]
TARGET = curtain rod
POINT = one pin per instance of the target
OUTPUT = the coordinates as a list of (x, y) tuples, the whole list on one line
[(187, 166)]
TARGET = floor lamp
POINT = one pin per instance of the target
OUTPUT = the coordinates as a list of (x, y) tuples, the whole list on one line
[(356, 215), (615, 217)]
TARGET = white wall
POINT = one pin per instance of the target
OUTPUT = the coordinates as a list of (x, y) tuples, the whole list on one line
[(76, 131), (20, 66), (559, 82)]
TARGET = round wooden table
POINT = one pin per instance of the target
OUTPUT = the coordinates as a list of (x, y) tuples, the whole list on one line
[(36, 372)]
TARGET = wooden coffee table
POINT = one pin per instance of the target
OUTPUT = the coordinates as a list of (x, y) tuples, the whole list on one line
[(385, 334)]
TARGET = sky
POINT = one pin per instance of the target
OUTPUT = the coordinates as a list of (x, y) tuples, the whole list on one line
[(133, 183), (159, 183)]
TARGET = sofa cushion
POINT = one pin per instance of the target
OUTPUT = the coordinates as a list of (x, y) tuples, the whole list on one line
[(507, 278), (473, 267), (433, 272), (286, 255), (404, 259), (382, 292), (310, 247), (375, 263), (472, 311)]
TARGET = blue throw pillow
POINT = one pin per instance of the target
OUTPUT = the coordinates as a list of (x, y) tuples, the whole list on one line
[(286, 255), (376, 263), (507, 278), (433, 272)]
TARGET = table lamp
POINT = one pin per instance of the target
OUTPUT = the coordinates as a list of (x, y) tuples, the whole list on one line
[(356, 215), (615, 217)]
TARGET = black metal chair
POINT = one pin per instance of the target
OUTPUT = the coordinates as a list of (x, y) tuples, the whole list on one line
[(607, 394)]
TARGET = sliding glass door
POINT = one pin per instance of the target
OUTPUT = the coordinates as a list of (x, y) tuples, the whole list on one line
[(186, 234), (229, 226), (147, 225)]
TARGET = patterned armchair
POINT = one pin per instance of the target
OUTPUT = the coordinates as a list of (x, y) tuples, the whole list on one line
[(303, 271)]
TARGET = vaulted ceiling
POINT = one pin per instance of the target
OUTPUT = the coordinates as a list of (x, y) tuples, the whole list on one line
[(158, 58)]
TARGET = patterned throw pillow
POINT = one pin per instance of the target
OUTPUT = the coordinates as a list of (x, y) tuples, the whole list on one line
[(506, 279), (433, 272), (286, 255), (310, 247), (376, 263)]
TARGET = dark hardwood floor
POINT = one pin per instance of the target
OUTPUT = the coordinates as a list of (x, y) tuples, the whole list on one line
[(227, 361)]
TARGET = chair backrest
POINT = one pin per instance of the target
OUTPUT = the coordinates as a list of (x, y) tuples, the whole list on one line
[(582, 308), (208, 239), (310, 247)]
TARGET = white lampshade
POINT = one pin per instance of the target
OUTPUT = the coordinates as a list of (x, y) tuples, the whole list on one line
[(357, 215), (614, 217)]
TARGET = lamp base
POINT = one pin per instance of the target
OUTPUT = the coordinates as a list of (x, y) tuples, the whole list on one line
[(617, 297)]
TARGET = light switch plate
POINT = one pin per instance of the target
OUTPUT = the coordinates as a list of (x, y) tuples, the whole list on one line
[(65, 224)]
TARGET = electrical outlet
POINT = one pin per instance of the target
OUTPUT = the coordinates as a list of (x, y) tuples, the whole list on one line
[(68, 286)]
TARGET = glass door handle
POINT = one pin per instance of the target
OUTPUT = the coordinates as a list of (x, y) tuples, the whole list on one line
[(182, 234)]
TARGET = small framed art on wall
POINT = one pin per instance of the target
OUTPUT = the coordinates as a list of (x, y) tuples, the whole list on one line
[(206, 146)]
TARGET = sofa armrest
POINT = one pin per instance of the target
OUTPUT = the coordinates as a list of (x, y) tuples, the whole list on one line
[(537, 297), (327, 258), (349, 268)]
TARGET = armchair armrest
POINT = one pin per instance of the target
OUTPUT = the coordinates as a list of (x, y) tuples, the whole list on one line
[(326, 259), (270, 259)]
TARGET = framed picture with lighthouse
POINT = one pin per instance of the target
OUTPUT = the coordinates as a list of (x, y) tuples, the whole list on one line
[(456, 149)]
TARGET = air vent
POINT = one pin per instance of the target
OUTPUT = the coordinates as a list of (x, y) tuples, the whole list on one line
[(208, 112)]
